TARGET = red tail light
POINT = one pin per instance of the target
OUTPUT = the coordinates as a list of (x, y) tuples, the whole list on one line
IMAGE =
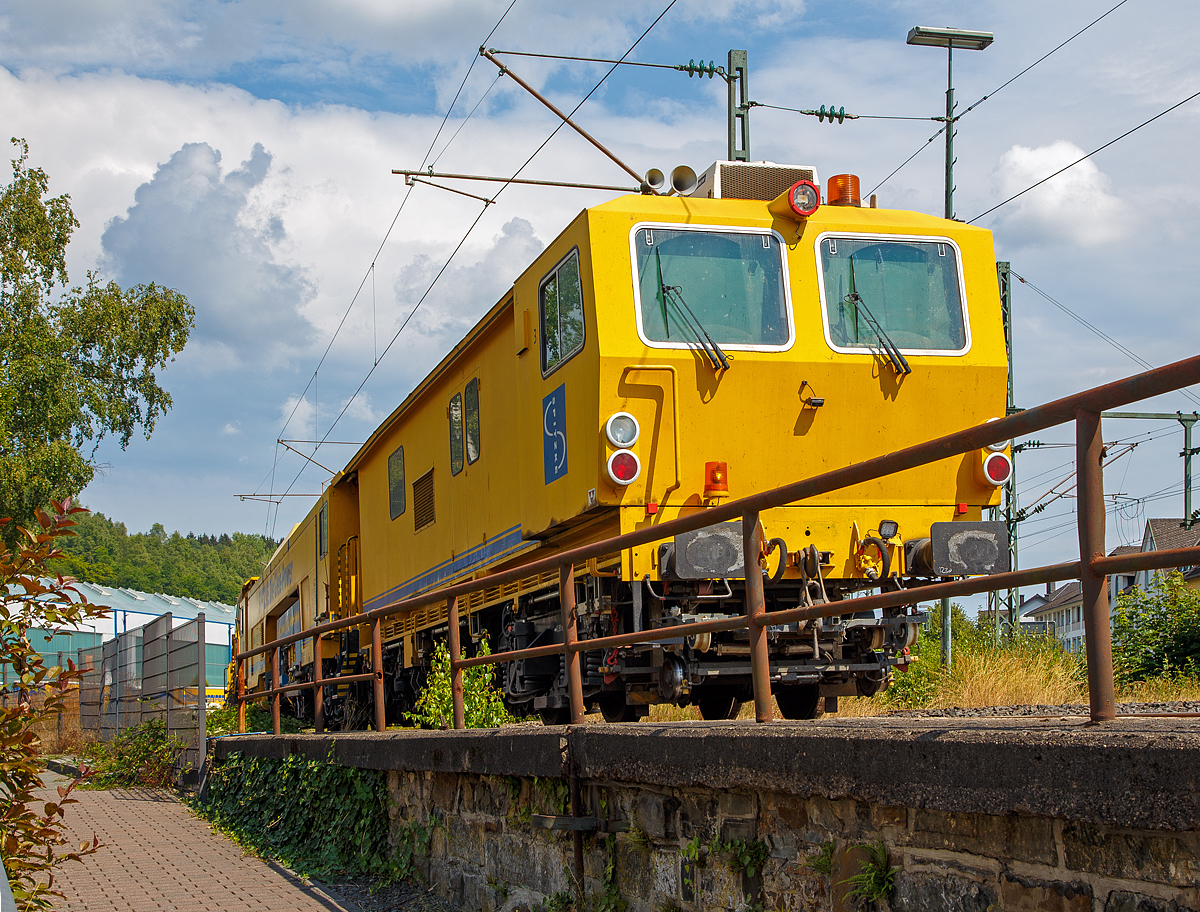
[(624, 467), (997, 468)]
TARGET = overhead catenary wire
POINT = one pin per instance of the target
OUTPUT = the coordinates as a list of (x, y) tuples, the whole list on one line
[(1028, 483), (763, 104), (1010, 81), (387, 234), (1084, 158), (466, 119), (1042, 536), (907, 160), (636, 63), (395, 218), (1137, 359), (471, 228), (993, 92)]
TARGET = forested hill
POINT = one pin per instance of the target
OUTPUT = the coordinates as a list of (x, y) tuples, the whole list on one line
[(203, 567)]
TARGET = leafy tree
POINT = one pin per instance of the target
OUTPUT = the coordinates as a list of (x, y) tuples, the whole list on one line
[(1156, 631), (193, 566), (31, 830), (76, 363)]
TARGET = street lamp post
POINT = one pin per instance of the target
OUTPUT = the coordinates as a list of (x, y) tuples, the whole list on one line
[(950, 39)]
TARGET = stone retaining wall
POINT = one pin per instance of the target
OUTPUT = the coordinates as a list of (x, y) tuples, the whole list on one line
[(1012, 816)]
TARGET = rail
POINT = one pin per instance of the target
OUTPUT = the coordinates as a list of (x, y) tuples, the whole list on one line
[(1083, 408)]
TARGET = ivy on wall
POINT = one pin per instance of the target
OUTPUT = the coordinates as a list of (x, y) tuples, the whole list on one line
[(318, 818)]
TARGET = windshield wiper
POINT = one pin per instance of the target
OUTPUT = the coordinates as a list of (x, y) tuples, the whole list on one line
[(895, 358), (674, 294), (890, 348)]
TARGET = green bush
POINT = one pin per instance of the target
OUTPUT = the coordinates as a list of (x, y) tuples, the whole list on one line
[(317, 817), (483, 704), (1156, 631), (144, 755), (223, 720)]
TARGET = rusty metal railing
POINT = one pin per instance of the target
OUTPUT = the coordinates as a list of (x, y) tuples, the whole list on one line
[(1083, 408)]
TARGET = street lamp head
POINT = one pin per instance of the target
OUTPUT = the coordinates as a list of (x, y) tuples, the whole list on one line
[(962, 39)]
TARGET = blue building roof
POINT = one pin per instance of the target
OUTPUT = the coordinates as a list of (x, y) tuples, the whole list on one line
[(155, 604)]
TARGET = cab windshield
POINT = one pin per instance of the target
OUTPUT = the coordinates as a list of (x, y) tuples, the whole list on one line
[(910, 287), (730, 285)]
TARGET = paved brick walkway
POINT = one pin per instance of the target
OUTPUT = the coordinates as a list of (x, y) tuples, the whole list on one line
[(158, 857)]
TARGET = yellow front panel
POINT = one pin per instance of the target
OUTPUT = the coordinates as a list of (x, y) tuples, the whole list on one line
[(753, 416)]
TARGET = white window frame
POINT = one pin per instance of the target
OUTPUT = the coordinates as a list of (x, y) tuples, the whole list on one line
[(928, 239), (542, 283), (712, 229)]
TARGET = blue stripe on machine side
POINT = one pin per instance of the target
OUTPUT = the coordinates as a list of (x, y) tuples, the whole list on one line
[(501, 544)]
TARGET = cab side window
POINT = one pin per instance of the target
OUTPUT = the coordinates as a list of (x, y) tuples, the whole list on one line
[(396, 482), (471, 419), (560, 308), (456, 434), (323, 530)]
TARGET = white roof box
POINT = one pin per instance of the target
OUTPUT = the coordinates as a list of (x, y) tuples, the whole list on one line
[(751, 180)]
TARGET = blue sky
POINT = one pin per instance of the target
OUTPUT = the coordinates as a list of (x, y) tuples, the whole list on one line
[(241, 152)]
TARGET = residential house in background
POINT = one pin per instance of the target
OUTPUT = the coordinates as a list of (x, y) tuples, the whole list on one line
[(1062, 607), (1061, 610), (1166, 535)]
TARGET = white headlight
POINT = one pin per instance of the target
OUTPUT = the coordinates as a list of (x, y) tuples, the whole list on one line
[(622, 430), (999, 445)]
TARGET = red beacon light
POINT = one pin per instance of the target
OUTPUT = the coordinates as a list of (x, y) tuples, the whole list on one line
[(716, 479), (799, 201), (842, 190)]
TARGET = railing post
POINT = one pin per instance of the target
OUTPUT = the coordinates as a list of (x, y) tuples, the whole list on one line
[(756, 606), (377, 663), (948, 633), (456, 675), (275, 689), (566, 598), (240, 690), (319, 690), (1089, 449)]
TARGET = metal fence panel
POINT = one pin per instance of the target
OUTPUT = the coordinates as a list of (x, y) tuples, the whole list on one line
[(109, 690), (155, 671), (156, 638), (129, 679), (89, 663), (185, 691)]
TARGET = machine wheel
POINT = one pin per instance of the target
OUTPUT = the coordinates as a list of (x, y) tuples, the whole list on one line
[(614, 708), (718, 704), (802, 701), (871, 682), (560, 715)]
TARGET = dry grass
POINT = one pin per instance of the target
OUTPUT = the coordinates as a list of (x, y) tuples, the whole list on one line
[(669, 712), (69, 743), (1159, 690), (997, 677), (858, 707)]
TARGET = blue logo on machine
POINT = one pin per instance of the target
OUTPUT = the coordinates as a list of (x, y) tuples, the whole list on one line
[(554, 434)]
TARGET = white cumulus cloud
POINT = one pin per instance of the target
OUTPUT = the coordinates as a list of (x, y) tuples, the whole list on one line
[(465, 292), (188, 229), (1076, 207), (296, 416)]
